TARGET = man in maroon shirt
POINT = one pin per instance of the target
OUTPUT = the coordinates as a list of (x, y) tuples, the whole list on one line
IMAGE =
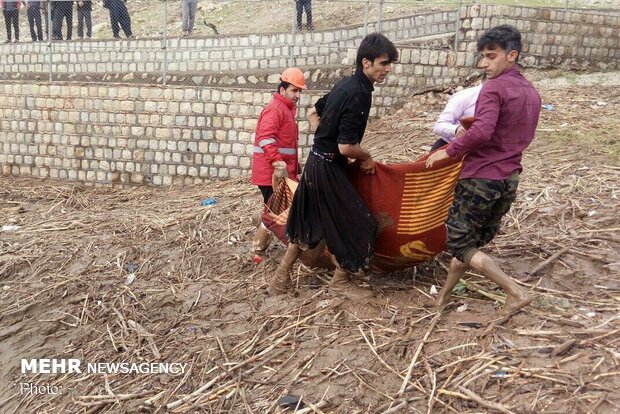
[(505, 122)]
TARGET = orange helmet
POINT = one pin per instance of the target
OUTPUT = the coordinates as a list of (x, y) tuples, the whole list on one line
[(295, 77)]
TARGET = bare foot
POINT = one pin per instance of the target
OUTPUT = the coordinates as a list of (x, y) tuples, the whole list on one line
[(442, 300), (428, 303), (515, 303)]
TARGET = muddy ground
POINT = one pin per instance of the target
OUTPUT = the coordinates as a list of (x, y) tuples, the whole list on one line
[(150, 275)]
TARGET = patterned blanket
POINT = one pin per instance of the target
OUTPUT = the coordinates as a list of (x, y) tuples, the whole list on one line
[(409, 202)]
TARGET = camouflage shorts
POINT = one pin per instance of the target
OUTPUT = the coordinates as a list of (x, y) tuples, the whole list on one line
[(476, 213)]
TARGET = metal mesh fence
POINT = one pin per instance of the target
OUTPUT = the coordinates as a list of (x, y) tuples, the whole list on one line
[(154, 39), (107, 19)]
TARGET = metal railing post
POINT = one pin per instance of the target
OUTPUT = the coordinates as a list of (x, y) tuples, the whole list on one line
[(49, 37), (457, 32), (291, 44), (165, 43), (380, 18), (366, 17)]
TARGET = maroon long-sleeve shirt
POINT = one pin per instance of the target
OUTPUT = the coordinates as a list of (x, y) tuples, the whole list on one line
[(506, 117)]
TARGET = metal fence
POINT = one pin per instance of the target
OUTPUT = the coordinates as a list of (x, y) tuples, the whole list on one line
[(157, 38)]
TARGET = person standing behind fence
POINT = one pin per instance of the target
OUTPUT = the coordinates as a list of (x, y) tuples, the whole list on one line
[(84, 9), (44, 16), (34, 20), (119, 17), (10, 9), (307, 5), (62, 10), (188, 15)]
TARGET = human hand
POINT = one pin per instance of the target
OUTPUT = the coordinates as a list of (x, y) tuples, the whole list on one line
[(279, 172), (314, 119), (467, 121), (438, 155), (279, 165), (278, 175), (460, 131), (368, 166)]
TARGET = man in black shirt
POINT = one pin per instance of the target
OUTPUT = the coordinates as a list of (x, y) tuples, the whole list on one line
[(326, 206)]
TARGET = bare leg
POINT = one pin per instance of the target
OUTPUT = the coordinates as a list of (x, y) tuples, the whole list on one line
[(281, 281), (455, 273), (342, 284), (516, 297)]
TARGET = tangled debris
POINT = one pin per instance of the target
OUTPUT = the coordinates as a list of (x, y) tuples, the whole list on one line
[(150, 275)]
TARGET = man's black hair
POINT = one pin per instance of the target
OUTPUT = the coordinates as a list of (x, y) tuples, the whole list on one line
[(376, 45), (506, 37), (284, 85)]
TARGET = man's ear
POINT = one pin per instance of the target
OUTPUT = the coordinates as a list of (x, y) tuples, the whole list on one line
[(512, 56), (366, 63)]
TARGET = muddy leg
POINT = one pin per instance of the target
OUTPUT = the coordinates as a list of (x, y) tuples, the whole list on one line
[(516, 297), (281, 281), (262, 239), (455, 273)]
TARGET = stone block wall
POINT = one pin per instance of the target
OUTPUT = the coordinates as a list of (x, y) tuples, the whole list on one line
[(213, 54), (114, 133), (551, 37)]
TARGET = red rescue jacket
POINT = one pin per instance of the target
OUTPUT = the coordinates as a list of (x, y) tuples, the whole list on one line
[(275, 140)]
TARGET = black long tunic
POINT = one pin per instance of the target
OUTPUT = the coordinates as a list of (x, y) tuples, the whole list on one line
[(326, 205)]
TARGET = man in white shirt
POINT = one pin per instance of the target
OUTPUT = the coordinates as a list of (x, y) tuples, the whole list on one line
[(461, 104)]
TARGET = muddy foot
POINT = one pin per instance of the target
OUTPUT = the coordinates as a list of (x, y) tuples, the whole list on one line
[(442, 300), (351, 291), (515, 303), (341, 284), (280, 283)]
